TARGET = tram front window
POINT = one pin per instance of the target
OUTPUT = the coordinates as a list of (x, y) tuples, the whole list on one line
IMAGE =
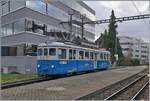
[(62, 53), (52, 52), (40, 52)]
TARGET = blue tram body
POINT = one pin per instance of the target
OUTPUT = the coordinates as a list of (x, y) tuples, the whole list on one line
[(58, 58)]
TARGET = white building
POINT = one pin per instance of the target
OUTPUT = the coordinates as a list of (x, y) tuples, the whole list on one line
[(26, 23), (134, 48)]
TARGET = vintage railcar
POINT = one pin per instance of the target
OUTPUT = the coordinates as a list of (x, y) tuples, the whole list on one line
[(58, 58)]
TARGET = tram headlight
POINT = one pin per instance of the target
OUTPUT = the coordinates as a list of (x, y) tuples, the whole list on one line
[(52, 66), (38, 66)]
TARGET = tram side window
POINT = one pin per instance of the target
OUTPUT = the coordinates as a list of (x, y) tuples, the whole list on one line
[(86, 55), (108, 56), (91, 55), (81, 54), (70, 54), (40, 52), (45, 52), (101, 56), (52, 52), (96, 56), (74, 54), (62, 53), (105, 56)]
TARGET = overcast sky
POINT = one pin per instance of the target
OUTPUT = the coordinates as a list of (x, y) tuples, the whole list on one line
[(136, 28)]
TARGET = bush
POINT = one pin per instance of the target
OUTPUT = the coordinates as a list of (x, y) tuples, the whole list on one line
[(135, 62), (128, 62)]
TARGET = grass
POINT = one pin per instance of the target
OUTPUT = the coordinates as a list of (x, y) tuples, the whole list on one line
[(9, 78)]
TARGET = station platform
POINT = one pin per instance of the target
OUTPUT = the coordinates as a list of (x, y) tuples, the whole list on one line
[(69, 88)]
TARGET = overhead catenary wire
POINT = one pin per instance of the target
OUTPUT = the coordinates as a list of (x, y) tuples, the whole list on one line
[(138, 11)]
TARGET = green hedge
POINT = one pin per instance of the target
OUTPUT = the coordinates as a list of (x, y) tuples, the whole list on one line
[(128, 62)]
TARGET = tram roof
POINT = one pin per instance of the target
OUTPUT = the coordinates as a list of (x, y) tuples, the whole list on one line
[(60, 44)]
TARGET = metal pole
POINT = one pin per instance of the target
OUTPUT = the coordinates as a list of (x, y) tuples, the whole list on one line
[(82, 26), (116, 45), (71, 13)]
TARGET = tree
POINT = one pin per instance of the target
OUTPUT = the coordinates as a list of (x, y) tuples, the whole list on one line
[(113, 43), (109, 39), (105, 45)]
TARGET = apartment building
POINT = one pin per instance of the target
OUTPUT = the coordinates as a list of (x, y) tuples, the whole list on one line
[(135, 48)]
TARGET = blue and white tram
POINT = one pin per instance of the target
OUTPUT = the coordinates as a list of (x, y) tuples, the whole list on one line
[(59, 58)]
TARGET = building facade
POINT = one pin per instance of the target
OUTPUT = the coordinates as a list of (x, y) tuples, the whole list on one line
[(26, 23), (135, 48)]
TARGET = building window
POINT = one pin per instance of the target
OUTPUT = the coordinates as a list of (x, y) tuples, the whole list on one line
[(57, 13), (9, 29), (143, 56), (143, 51), (38, 30), (4, 30), (19, 26), (35, 26), (28, 25), (4, 51), (136, 55), (13, 28), (16, 4), (30, 49), (144, 46), (11, 5), (5, 7), (36, 5)]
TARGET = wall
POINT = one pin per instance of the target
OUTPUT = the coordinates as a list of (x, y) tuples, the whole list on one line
[(23, 63)]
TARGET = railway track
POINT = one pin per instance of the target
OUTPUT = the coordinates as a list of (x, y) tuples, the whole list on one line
[(130, 91), (143, 93), (111, 90)]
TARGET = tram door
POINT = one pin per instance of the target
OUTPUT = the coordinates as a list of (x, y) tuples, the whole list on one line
[(95, 60)]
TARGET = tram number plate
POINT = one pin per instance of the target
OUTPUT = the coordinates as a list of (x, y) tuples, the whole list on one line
[(63, 62)]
